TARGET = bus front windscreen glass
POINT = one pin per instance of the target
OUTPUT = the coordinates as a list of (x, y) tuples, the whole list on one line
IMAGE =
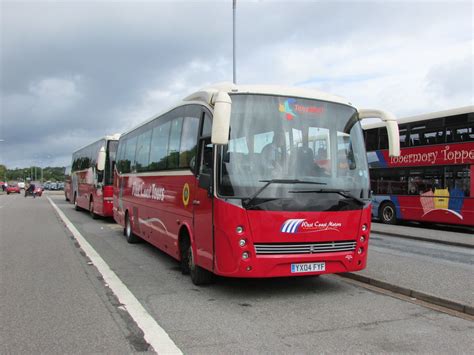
[(310, 154)]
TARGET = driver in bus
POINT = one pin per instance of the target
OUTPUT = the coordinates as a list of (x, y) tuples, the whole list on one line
[(273, 155)]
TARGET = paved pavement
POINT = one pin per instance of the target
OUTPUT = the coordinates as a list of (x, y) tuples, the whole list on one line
[(51, 300), (439, 273), (439, 235)]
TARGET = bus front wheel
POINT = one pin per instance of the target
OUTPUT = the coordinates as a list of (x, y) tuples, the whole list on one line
[(387, 213), (199, 276), (127, 231)]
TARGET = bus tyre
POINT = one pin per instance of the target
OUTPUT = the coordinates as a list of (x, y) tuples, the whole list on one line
[(76, 206), (387, 213), (127, 231), (199, 276), (91, 209), (184, 250)]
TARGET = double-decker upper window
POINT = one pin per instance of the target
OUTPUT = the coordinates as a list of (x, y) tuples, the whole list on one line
[(452, 129), (168, 142)]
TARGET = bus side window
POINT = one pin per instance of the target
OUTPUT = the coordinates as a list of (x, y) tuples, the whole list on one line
[(189, 136), (205, 164), (129, 160)]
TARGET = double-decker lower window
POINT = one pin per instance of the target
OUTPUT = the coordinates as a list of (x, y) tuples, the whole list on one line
[(454, 179)]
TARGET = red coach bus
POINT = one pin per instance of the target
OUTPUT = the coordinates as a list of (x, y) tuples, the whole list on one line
[(228, 183), (431, 181), (92, 176)]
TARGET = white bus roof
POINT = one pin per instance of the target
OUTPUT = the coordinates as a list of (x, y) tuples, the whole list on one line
[(113, 137), (206, 95), (424, 117)]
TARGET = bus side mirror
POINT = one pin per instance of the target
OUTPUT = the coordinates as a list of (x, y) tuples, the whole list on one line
[(221, 119), (101, 159), (392, 128), (205, 182)]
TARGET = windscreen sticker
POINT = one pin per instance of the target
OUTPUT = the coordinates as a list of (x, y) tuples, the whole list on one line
[(290, 108), (285, 108)]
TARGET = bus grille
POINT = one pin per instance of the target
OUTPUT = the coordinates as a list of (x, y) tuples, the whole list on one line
[(305, 248)]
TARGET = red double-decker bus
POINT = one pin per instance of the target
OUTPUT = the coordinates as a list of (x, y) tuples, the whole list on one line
[(249, 181), (431, 181), (92, 176)]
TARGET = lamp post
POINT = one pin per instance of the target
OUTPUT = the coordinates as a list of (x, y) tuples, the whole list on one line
[(234, 8)]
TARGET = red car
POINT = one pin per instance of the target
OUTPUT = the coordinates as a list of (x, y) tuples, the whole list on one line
[(14, 188), (38, 191)]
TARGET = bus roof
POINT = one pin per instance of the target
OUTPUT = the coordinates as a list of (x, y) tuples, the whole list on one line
[(426, 116), (113, 137), (206, 96)]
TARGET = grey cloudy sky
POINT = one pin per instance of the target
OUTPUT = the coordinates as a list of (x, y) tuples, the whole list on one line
[(73, 71)]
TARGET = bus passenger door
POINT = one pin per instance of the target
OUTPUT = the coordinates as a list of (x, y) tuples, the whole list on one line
[(202, 203)]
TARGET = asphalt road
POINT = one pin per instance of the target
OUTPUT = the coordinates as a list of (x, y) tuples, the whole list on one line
[(75, 313)]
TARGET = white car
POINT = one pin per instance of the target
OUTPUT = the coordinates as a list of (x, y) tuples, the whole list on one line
[(21, 185)]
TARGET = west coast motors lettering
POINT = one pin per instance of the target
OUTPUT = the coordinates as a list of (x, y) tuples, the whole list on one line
[(307, 226), (442, 154), (152, 192)]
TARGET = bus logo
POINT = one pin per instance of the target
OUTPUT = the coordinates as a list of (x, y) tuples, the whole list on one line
[(285, 108), (186, 195), (293, 226)]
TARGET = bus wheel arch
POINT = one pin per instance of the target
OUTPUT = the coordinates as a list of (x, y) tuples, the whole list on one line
[(128, 231), (76, 206), (91, 208), (184, 242), (388, 213), (199, 276)]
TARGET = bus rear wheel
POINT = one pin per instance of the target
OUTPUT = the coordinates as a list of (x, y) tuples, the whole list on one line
[(91, 209), (127, 231), (387, 213), (76, 206), (199, 276)]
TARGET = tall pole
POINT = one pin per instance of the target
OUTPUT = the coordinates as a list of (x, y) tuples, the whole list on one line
[(234, 5)]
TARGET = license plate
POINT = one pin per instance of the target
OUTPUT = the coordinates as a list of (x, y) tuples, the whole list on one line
[(307, 267)]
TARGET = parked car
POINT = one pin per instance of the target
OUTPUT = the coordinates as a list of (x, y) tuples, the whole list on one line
[(21, 185), (13, 188)]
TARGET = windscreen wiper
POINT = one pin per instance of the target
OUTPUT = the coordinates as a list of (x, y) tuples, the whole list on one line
[(343, 193), (248, 201)]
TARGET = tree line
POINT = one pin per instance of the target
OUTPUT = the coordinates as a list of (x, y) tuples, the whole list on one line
[(55, 173)]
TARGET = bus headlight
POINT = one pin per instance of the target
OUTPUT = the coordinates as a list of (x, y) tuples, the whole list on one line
[(245, 255), (362, 238), (364, 227), (360, 251), (242, 243), (239, 230)]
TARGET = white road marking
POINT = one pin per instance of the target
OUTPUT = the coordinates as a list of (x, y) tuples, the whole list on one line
[(153, 333)]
